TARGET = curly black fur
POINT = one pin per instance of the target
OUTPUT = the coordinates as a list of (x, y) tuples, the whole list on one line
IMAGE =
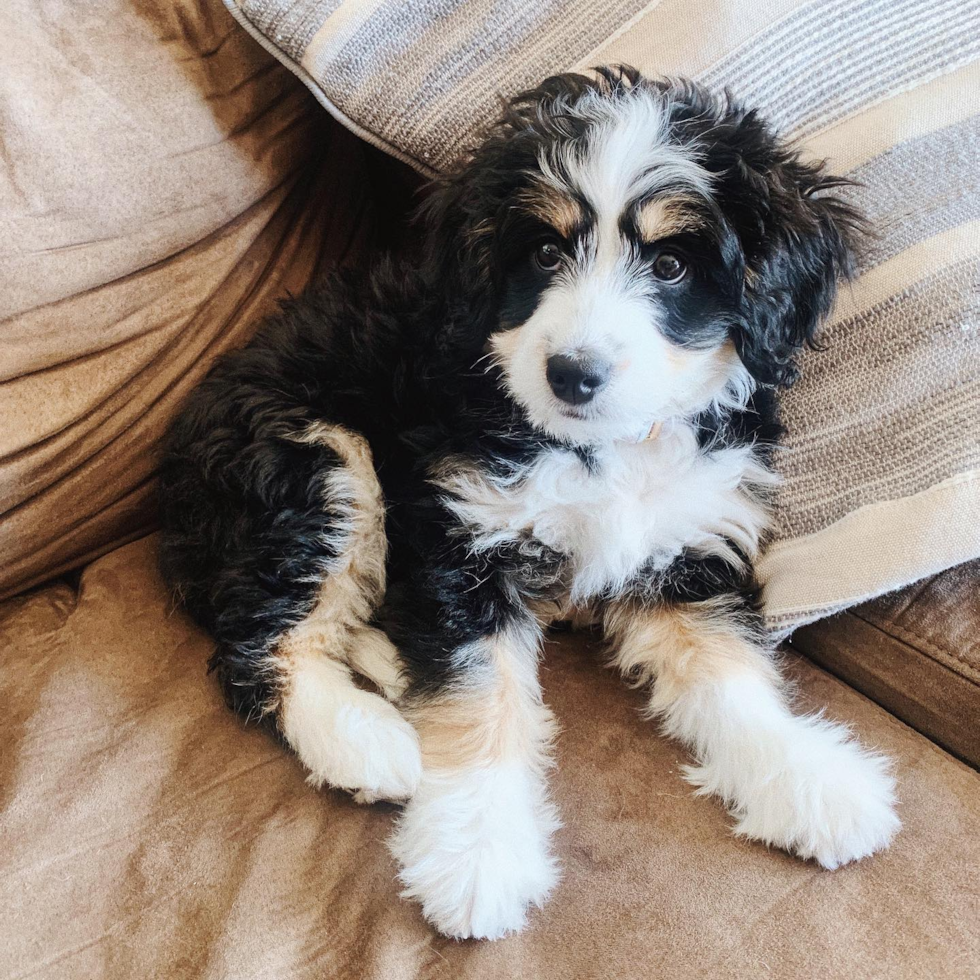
[(394, 355)]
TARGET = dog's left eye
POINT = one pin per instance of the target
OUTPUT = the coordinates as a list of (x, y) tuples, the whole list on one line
[(547, 257), (668, 267)]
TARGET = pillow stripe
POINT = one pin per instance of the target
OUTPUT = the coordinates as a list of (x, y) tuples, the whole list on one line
[(882, 425)]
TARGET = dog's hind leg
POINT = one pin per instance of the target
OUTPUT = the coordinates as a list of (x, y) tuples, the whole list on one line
[(275, 541), (374, 656), (345, 736), (348, 737)]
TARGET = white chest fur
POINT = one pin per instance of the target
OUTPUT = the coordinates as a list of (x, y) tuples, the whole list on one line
[(644, 504)]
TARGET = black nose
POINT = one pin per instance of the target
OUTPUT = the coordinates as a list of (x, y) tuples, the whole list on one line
[(576, 380)]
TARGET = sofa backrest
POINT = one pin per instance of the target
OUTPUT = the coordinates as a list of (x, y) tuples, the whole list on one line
[(158, 192)]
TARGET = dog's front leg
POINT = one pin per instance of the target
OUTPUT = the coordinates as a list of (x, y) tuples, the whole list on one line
[(474, 842), (800, 783)]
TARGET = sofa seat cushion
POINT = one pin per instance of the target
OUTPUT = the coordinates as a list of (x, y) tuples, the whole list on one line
[(916, 652), (147, 834)]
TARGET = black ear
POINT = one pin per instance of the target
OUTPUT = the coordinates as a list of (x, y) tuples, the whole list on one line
[(796, 234), (463, 211), (802, 249), (459, 217)]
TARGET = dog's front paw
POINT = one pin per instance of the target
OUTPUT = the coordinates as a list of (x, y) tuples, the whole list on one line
[(475, 853), (823, 797)]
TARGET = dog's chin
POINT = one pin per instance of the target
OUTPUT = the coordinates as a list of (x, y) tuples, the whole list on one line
[(585, 425)]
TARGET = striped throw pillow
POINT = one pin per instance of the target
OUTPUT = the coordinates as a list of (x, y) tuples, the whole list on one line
[(882, 467)]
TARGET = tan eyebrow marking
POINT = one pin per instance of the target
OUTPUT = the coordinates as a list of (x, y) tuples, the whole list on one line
[(662, 217), (559, 210)]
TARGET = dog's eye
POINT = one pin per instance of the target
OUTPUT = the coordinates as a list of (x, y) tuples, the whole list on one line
[(668, 267), (547, 257)]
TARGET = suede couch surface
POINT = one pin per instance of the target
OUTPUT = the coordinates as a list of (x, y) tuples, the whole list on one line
[(163, 182), (146, 834), (916, 652)]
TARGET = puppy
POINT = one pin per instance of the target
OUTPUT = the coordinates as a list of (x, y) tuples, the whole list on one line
[(564, 406)]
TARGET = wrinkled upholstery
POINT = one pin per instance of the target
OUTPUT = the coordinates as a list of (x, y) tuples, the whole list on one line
[(916, 652), (162, 183), (147, 835)]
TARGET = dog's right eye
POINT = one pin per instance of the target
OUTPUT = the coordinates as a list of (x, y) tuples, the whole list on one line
[(546, 257), (669, 268)]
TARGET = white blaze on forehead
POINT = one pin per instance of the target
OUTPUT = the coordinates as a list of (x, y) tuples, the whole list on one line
[(602, 304), (626, 155)]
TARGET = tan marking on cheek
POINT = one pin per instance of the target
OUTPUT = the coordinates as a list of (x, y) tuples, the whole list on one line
[(503, 344), (662, 217), (723, 361), (678, 359), (720, 361)]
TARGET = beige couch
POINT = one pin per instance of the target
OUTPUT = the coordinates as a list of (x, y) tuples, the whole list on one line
[(163, 181)]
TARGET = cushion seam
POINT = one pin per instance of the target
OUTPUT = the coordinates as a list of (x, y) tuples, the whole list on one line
[(921, 644), (319, 93)]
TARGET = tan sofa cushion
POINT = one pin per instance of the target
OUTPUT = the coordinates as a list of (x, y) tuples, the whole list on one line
[(146, 834), (882, 480), (916, 652), (159, 189)]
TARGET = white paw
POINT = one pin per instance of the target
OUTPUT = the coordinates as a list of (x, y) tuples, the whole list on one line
[(369, 748), (365, 797), (351, 739), (475, 852), (375, 657), (819, 795)]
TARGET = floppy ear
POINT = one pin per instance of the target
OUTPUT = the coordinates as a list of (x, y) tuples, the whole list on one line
[(459, 218), (791, 281), (795, 233), (465, 210)]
